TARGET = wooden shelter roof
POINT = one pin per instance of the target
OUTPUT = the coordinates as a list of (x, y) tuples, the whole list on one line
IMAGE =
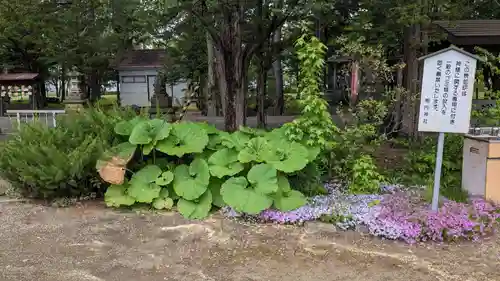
[(471, 32), (13, 77), (153, 58)]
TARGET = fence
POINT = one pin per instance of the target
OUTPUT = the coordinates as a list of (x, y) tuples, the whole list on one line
[(24, 116)]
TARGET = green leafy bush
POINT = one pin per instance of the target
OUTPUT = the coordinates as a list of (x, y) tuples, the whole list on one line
[(421, 160), (349, 157), (43, 162), (195, 166), (365, 178)]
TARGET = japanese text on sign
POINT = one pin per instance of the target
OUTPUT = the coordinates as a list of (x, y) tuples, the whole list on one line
[(446, 92)]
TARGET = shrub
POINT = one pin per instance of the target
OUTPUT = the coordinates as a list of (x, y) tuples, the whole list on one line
[(309, 180), (195, 166), (365, 177), (421, 160), (43, 162)]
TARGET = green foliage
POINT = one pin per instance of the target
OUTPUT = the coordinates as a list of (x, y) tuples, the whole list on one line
[(196, 167), (365, 177), (355, 143), (489, 116), (46, 163), (421, 160), (185, 138), (309, 180), (315, 126)]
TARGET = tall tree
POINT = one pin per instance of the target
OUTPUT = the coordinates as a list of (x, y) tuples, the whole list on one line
[(234, 29)]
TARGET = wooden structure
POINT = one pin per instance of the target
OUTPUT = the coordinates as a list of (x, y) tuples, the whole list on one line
[(138, 71), (470, 33), (22, 85), (342, 85), (481, 163)]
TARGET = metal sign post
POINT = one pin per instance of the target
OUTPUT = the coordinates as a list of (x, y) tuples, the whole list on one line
[(446, 100), (437, 172)]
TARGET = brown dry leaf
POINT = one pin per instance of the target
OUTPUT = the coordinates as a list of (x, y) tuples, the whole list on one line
[(113, 171)]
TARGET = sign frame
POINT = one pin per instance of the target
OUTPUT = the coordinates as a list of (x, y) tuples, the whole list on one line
[(455, 74)]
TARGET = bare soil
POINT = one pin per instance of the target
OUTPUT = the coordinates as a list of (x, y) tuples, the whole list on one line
[(90, 242)]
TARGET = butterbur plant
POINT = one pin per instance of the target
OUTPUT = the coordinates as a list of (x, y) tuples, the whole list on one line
[(196, 167)]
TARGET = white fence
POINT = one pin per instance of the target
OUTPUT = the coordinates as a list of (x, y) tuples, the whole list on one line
[(24, 116)]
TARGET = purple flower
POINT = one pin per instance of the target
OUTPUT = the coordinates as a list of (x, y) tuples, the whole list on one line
[(397, 214)]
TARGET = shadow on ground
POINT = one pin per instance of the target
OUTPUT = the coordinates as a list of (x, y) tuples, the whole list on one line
[(91, 243)]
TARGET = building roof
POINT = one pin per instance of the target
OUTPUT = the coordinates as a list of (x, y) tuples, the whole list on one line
[(467, 28), (141, 59), (454, 48), (18, 76)]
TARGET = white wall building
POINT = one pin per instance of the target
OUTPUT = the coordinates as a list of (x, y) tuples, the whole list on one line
[(137, 71)]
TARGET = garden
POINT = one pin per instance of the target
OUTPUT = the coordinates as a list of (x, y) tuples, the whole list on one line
[(308, 169)]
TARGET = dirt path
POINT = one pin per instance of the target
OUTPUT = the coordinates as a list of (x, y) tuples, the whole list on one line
[(95, 244)]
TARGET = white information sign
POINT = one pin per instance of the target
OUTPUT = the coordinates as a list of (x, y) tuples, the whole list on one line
[(447, 89)]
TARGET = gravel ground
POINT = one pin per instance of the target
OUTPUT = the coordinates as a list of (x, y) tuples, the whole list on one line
[(90, 242)]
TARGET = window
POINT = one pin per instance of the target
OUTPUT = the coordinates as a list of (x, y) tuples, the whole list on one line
[(139, 79), (134, 79)]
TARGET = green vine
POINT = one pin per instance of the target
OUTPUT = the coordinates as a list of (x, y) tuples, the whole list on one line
[(314, 127)]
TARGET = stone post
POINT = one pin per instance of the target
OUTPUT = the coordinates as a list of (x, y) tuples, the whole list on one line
[(75, 98)]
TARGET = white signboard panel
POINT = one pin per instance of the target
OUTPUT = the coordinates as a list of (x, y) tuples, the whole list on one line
[(447, 89)]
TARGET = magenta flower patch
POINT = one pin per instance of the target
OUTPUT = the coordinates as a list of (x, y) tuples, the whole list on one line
[(397, 215)]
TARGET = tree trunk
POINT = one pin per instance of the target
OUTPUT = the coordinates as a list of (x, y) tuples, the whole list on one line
[(412, 42), (94, 85), (279, 107), (220, 99), (261, 92), (213, 99), (231, 68), (63, 84)]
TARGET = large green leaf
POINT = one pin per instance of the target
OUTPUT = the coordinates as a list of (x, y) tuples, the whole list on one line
[(141, 134), (165, 178), (184, 138), (147, 174), (210, 129), (159, 130), (256, 150), (288, 156), (236, 140), (190, 182), (163, 203), (252, 132), (214, 187), (263, 178), (198, 209), (142, 191), (289, 201), (214, 142), (125, 127), (149, 132), (236, 194), (117, 196), (313, 152), (224, 162), (142, 186), (171, 192), (283, 184)]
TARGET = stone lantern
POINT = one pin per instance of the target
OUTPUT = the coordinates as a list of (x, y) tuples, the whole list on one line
[(75, 98)]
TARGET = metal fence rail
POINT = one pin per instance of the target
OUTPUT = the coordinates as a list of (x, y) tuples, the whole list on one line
[(25, 116)]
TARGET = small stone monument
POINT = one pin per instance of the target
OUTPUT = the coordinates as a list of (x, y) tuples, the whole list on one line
[(75, 98)]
